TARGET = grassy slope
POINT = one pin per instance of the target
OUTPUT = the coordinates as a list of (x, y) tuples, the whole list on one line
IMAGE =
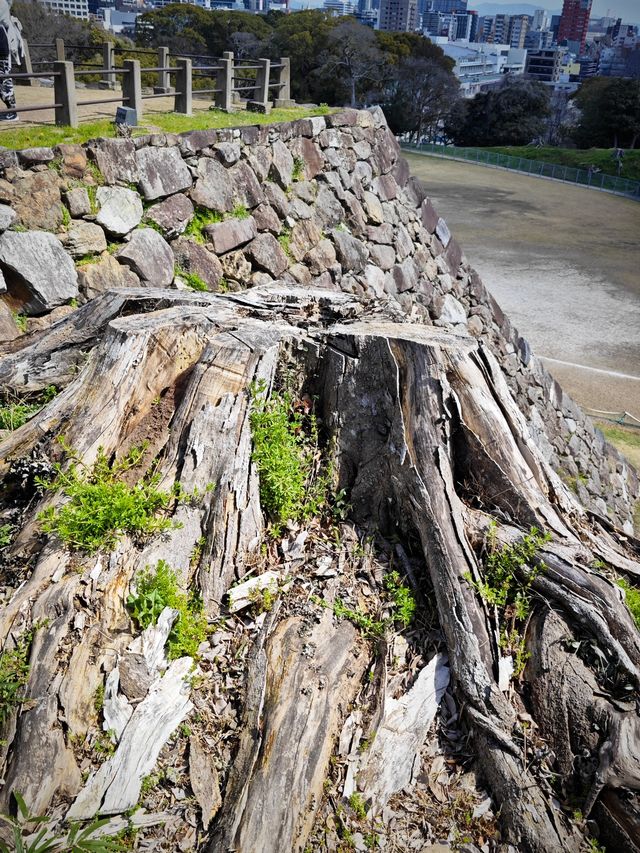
[(600, 157), (50, 135), (625, 439)]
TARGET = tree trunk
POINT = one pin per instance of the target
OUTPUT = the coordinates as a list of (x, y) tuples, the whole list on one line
[(429, 445)]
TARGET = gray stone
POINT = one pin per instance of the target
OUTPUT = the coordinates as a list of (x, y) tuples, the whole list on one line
[(310, 126), (8, 328), (300, 209), (363, 172), (78, 202), (405, 276), (246, 187), (228, 235), (380, 233), (43, 266), (192, 257), (321, 257), (311, 156), (454, 256), (161, 172), (149, 256), (116, 159), (73, 159), (442, 232), (32, 156), (214, 188), (403, 242), (429, 216), (352, 253), (304, 236), (328, 209), (8, 159), (227, 152), (451, 311), (374, 280), (236, 267), (195, 140), (282, 164), (266, 253), (385, 186), (373, 208), (35, 197), (298, 273), (267, 219), (383, 256), (84, 238), (171, 215), (7, 216), (105, 274), (259, 160), (306, 190), (277, 199), (120, 209)]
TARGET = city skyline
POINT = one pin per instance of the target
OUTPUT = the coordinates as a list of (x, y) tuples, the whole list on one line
[(628, 10)]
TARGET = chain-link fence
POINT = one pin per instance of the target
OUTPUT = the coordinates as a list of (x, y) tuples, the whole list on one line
[(584, 177)]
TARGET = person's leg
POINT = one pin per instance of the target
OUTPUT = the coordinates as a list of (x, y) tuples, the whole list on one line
[(7, 94)]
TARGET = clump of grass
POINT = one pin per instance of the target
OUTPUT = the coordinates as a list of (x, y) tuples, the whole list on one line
[(201, 218), (14, 673), (102, 507), (285, 242), (298, 169), (404, 604), (285, 447), (191, 279), (358, 806), (160, 589), (15, 413), (6, 532), (20, 320), (632, 598), (240, 212)]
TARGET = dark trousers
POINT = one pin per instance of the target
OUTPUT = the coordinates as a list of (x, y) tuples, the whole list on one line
[(7, 95)]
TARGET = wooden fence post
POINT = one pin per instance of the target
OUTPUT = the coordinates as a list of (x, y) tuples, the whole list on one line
[(108, 64), (64, 92), (224, 82), (27, 67), (60, 50), (183, 87), (260, 102), (163, 87), (132, 86), (283, 97)]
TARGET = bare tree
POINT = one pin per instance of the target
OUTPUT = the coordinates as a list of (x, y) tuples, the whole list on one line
[(353, 53)]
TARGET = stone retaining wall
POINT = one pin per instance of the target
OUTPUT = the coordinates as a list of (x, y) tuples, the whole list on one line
[(326, 201)]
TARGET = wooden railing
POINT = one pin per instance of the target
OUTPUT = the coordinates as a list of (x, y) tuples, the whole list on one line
[(259, 83)]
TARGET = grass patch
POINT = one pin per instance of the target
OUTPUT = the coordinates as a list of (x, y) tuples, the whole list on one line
[(102, 507), (50, 135), (285, 242), (17, 412), (298, 169), (632, 598), (201, 218), (159, 589), (239, 212), (191, 279), (14, 673), (285, 449), (578, 159), (20, 320), (624, 439)]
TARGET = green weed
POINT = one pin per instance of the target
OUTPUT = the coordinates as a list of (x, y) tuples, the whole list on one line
[(285, 242), (102, 507), (66, 216), (6, 532), (239, 212), (285, 449), (17, 412), (160, 589), (358, 806), (370, 627), (14, 672), (298, 169), (404, 604), (201, 218), (632, 598), (192, 279), (78, 838), (98, 699), (20, 320)]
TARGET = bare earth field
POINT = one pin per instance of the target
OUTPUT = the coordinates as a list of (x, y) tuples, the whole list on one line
[(564, 263)]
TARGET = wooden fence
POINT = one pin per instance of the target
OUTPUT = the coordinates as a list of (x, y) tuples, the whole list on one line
[(261, 83)]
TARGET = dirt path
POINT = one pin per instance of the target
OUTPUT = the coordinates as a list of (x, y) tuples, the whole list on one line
[(563, 261)]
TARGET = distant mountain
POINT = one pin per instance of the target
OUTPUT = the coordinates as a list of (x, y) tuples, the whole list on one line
[(510, 8)]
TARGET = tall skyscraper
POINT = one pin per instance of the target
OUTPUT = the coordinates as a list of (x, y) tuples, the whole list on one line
[(398, 15), (574, 22)]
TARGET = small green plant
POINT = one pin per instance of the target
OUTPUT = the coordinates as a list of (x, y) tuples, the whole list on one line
[(285, 242), (192, 279), (95, 173), (262, 600), (20, 320), (6, 533), (201, 218), (102, 507), (239, 212), (370, 627), (86, 260), (17, 412), (103, 745), (98, 699), (358, 806), (78, 838), (298, 169), (91, 192), (14, 673), (632, 598), (404, 604), (149, 783), (159, 589), (285, 447), (66, 216)]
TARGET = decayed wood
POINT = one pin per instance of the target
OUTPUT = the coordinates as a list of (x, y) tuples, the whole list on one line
[(429, 444)]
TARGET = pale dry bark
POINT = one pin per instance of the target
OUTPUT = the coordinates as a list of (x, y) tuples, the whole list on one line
[(429, 444)]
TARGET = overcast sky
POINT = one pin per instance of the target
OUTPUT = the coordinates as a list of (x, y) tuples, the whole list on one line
[(629, 10)]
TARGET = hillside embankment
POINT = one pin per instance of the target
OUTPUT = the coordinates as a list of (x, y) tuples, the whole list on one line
[(303, 547)]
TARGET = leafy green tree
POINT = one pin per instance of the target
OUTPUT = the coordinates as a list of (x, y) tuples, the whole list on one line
[(609, 113), (514, 114), (303, 37), (420, 97), (399, 47)]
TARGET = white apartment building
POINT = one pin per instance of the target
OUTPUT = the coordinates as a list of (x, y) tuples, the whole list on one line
[(75, 8)]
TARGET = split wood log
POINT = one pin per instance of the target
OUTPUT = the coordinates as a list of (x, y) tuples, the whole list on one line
[(429, 445)]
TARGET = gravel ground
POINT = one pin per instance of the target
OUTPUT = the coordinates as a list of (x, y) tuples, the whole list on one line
[(562, 261)]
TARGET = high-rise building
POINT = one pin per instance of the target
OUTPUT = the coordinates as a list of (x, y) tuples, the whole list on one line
[(75, 8), (544, 65), (398, 15), (447, 6), (540, 20), (574, 22), (518, 29)]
